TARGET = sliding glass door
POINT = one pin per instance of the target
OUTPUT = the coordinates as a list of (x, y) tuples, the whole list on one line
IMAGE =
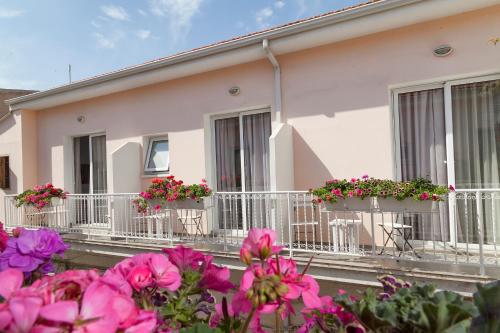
[(450, 134), (90, 178), (242, 165)]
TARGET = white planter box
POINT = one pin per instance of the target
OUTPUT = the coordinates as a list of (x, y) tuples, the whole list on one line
[(202, 204), (56, 202), (407, 205), (350, 204), (152, 204)]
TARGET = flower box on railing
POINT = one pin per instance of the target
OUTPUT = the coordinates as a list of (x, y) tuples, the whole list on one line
[(349, 204), (199, 204), (406, 205), (55, 202)]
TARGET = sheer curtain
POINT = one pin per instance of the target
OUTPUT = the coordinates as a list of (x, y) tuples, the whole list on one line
[(256, 133), (476, 132), (99, 168), (227, 154), (78, 164), (228, 171), (423, 153)]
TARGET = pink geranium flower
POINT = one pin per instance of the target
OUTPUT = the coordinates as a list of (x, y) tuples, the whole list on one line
[(261, 243), (102, 310)]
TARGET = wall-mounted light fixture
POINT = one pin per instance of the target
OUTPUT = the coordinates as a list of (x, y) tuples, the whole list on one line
[(234, 91), (443, 51)]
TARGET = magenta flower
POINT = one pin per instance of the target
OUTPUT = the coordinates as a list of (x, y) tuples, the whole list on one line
[(185, 257), (140, 277), (424, 196), (212, 277), (215, 278), (261, 243), (147, 270), (4, 237)]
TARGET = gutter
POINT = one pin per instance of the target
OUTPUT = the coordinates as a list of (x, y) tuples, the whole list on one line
[(283, 31), (277, 79)]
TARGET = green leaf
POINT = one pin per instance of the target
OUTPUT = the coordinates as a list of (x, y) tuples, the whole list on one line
[(200, 328)]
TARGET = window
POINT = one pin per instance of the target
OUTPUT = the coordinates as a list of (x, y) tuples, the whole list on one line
[(157, 158), (4, 172)]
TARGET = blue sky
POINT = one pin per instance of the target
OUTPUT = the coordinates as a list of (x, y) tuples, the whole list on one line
[(39, 38)]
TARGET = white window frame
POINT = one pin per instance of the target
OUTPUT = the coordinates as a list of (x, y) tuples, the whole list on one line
[(148, 155)]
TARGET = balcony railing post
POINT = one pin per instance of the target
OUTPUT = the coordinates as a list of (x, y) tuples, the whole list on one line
[(480, 232), (289, 213), (372, 222)]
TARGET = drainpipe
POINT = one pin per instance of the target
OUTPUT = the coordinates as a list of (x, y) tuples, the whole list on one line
[(277, 79)]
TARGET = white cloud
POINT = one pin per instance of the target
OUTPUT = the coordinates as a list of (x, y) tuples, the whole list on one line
[(142, 12), (10, 13), (95, 24), (179, 13), (115, 12), (143, 34), (262, 17), (279, 4), (108, 41)]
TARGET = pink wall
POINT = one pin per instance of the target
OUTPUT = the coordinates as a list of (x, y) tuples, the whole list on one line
[(336, 97)]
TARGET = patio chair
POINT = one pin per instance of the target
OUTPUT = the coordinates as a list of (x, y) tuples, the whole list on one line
[(393, 230), (191, 220)]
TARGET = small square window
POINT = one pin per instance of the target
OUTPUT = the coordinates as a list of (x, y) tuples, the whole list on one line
[(157, 158)]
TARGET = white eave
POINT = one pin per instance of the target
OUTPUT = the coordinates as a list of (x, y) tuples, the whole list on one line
[(359, 21)]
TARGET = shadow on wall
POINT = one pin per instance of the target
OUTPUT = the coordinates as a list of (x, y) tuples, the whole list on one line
[(310, 171)]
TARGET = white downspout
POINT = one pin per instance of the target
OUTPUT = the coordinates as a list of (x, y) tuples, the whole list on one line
[(277, 79)]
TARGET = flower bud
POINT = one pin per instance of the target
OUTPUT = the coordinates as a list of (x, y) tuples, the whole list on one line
[(264, 247), (255, 300), (246, 256), (272, 295), (282, 289)]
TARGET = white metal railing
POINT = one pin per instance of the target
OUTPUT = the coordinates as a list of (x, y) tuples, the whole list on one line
[(464, 229)]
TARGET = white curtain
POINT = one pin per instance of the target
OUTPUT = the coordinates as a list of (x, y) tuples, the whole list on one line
[(476, 132), (256, 133), (423, 153), (227, 154), (99, 168)]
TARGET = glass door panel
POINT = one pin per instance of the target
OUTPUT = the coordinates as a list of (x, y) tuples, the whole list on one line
[(256, 133), (228, 171), (476, 140), (99, 203), (422, 137)]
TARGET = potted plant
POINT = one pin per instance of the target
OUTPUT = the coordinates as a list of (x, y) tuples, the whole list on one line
[(41, 196), (349, 195), (416, 195), (170, 193)]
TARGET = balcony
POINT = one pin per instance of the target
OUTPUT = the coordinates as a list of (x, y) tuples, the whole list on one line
[(455, 241)]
